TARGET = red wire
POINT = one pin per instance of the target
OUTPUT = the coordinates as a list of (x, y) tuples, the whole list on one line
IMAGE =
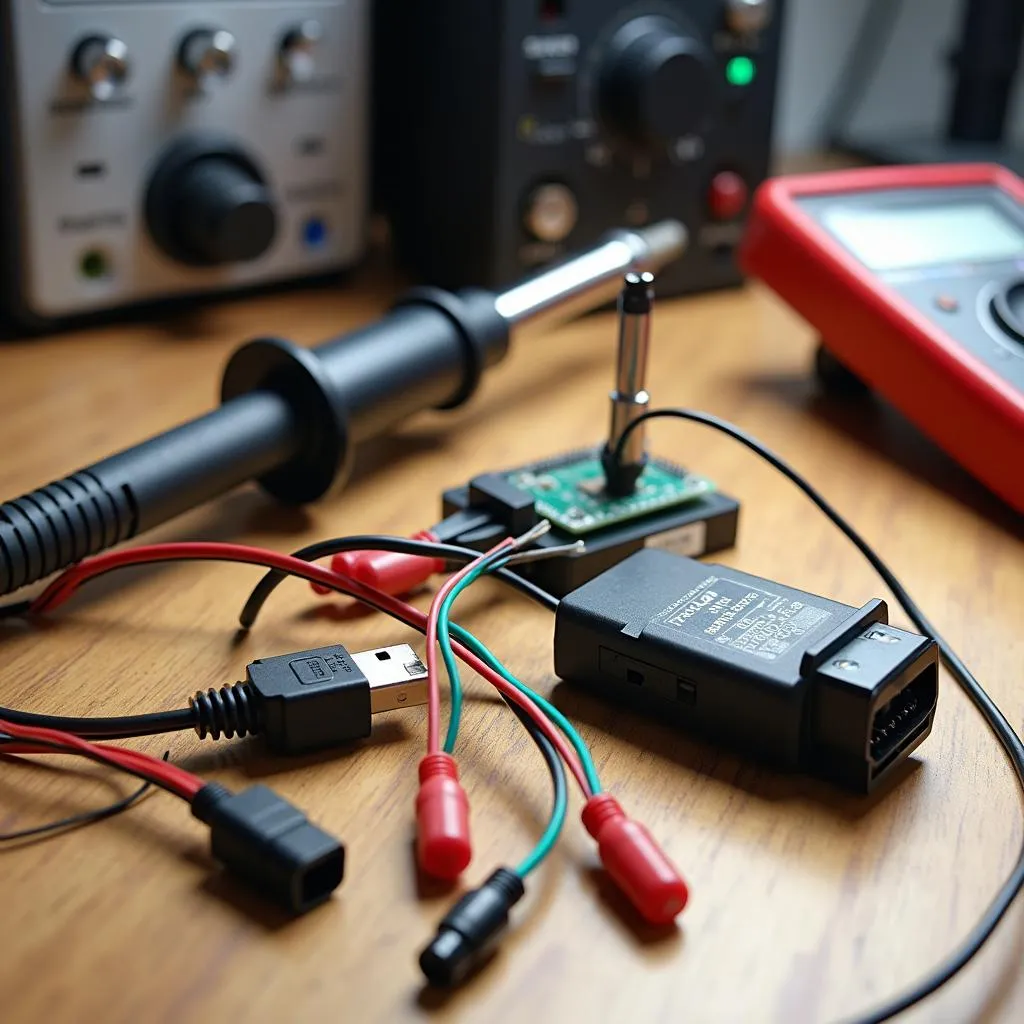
[(179, 781), (68, 582), (433, 674)]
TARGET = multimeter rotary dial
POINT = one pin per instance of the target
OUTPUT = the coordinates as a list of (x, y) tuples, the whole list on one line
[(1007, 307)]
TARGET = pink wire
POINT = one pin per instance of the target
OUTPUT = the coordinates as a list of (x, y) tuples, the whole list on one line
[(433, 672)]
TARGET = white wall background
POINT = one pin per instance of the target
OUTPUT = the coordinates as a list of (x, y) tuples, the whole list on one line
[(911, 90)]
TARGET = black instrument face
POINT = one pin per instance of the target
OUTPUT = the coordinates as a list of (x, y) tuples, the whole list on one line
[(956, 254), (510, 133)]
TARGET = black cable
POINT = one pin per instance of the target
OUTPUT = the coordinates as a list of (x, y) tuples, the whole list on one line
[(74, 821), (183, 719), (98, 758), (372, 542), (123, 727), (1008, 739), (555, 767), (337, 546), (862, 62)]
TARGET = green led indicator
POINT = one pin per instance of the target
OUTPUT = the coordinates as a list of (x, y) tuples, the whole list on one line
[(93, 265), (740, 71)]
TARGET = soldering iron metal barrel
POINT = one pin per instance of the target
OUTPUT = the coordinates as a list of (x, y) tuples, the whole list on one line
[(290, 416)]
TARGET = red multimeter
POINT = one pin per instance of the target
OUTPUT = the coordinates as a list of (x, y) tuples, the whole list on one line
[(914, 276)]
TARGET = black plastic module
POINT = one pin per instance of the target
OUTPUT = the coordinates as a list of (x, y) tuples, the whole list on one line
[(804, 682)]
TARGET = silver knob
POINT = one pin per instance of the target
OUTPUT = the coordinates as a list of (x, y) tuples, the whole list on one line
[(208, 53), (745, 16), (551, 212), (101, 62), (297, 53)]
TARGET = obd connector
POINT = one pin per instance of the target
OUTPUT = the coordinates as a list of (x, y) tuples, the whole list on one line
[(806, 683)]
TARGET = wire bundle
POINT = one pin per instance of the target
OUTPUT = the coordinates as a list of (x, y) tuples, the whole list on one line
[(22, 739), (632, 857), (628, 851), (439, 638), (17, 740), (472, 924)]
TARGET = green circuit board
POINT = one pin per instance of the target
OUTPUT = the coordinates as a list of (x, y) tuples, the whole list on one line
[(570, 491)]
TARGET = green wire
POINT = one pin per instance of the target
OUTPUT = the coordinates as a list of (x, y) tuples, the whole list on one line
[(444, 631), (556, 822), (547, 841), (448, 656), (547, 707)]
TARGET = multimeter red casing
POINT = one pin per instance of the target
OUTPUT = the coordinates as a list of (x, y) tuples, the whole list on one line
[(923, 338)]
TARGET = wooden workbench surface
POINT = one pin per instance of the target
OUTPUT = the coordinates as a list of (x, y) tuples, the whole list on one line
[(808, 904)]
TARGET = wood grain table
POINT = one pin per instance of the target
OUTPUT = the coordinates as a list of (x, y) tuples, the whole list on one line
[(807, 904)]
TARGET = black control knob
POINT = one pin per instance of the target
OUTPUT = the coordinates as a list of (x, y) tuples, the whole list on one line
[(209, 206), (656, 84)]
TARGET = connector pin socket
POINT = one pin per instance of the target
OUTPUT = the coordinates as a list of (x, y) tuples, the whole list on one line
[(271, 845)]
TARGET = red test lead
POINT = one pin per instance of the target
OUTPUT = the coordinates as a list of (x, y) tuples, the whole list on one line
[(388, 571), (442, 819), (635, 861)]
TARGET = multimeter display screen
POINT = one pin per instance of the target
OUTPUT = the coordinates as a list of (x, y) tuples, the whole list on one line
[(893, 238)]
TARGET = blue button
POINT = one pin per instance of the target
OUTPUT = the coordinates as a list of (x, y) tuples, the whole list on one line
[(314, 232)]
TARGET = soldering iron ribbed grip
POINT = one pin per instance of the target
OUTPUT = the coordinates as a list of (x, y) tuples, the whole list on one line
[(58, 525)]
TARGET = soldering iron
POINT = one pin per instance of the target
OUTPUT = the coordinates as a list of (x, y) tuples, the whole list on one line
[(291, 417)]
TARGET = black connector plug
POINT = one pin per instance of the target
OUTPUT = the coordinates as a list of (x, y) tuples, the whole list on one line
[(804, 682), (469, 932), (270, 844), (313, 700)]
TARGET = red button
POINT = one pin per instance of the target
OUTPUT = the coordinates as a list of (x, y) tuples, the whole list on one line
[(727, 196)]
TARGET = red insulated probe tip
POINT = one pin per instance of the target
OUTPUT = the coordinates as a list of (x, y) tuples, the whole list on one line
[(443, 848), (635, 861), (389, 571)]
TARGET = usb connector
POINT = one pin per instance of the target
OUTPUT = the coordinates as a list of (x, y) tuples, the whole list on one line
[(397, 677), (313, 700)]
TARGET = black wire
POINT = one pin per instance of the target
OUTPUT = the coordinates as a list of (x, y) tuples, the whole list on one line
[(1008, 739), (324, 549), (372, 542), (183, 719), (99, 758), (74, 821), (862, 62), (555, 767), (119, 728)]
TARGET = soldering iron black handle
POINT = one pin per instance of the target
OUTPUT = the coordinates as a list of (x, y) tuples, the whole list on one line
[(290, 418)]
